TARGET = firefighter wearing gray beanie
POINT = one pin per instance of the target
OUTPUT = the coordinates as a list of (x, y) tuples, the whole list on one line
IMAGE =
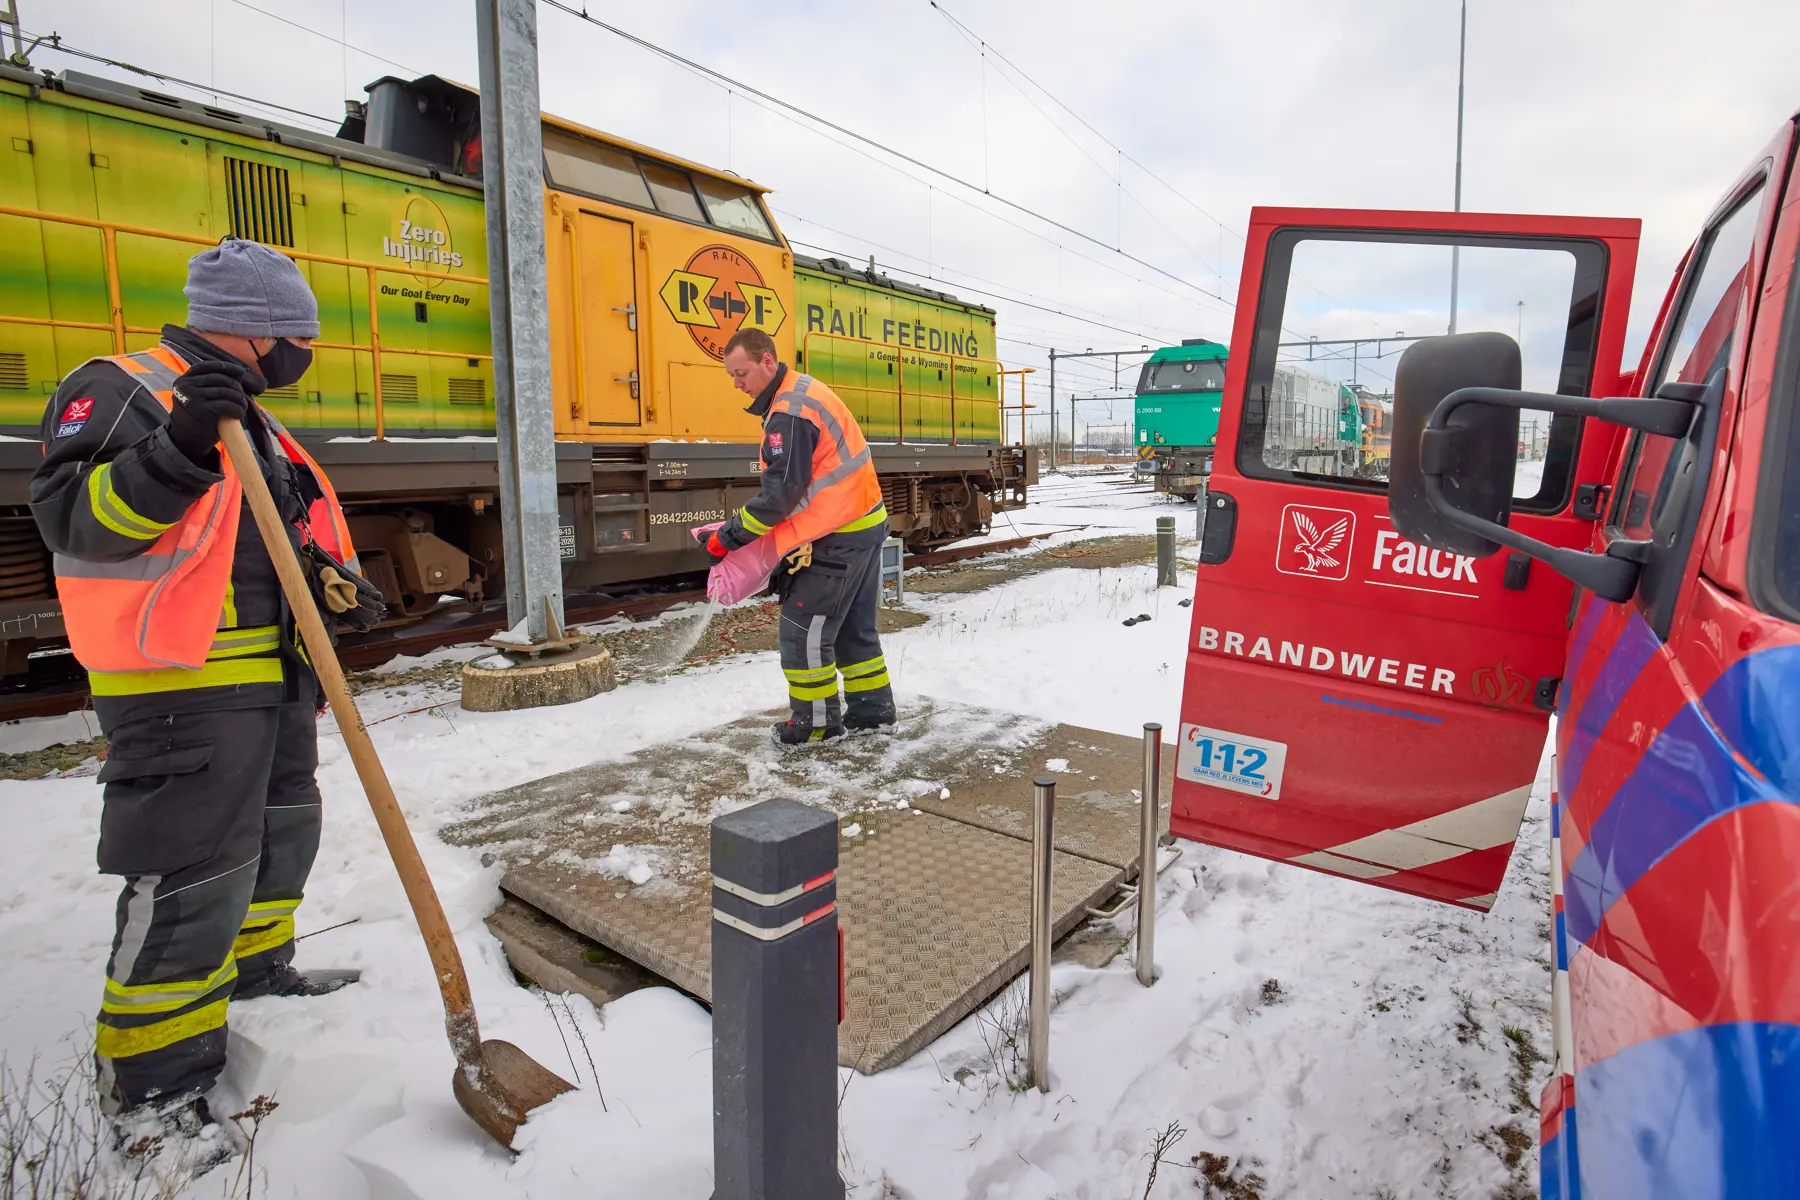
[(193, 667), (247, 289)]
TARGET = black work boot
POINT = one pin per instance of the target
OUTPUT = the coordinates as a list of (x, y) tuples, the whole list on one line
[(283, 980), (793, 733), (883, 720), (182, 1133)]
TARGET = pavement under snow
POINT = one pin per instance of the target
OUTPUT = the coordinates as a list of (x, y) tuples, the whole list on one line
[(1309, 1037)]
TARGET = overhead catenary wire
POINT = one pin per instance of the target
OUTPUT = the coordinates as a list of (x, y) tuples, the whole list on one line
[(1051, 96), (725, 80), (327, 37), (904, 174), (983, 292), (957, 283), (54, 41), (1116, 177)]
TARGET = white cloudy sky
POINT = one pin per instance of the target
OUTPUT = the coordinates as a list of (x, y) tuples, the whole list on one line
[(1645, 108)]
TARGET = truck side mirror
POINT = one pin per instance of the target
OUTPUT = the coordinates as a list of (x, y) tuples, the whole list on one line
[(1450, 478), (1477, 479)]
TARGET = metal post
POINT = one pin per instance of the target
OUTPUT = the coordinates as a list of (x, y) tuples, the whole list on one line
[(1165, 552), (519, 299), (1043, 851), (776, 990), (1053, 408), (1462, 45), (1147, 844)]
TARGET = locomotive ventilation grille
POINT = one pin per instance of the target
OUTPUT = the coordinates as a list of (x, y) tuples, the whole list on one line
[(24, 563), (462, 391), (261, 206), (401, 388), (12, 372)]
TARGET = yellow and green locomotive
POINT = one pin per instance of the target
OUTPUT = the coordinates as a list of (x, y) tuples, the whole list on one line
[(653, 262)]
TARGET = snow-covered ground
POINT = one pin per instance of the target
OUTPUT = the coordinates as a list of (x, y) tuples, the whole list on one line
[(1331, 1038)]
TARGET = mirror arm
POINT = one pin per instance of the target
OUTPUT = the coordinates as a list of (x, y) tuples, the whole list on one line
[(1667, 416), (1611, 576)]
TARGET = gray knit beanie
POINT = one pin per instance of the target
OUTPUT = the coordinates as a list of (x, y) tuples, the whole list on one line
[(247, 289)]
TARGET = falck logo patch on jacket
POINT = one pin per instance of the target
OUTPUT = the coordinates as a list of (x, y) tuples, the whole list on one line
[(774, 443), (75, 415)]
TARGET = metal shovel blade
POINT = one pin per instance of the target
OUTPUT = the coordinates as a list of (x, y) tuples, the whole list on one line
[(501, 1090)]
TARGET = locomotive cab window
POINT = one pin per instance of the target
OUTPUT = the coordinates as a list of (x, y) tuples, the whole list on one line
[(1207, 376), (673, 190), (580, 165), (592, 168), (1339, 307), (734, 208)]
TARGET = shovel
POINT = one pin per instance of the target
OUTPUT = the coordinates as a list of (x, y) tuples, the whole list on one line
[(496, 1083)]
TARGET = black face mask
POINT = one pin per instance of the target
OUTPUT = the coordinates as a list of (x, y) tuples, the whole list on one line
[(285, 363)]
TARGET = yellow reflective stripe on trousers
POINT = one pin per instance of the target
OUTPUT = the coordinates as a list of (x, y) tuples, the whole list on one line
[(809, 674), (237, 643), (164, 997), (227, 672), (813, 691), (268, 910), (110, 509), (866, 676), (251, 943), (124, 1043), (751, 523), (869, 521)]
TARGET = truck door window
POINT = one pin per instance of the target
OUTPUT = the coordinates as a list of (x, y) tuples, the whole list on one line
[(1339, 307), (1698, 344)]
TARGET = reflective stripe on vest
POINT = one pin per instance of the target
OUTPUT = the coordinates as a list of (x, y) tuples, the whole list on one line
[(157, 612), (844, 494)]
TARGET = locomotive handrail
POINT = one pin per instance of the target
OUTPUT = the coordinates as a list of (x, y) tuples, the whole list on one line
[(110, 231), (899, 391)]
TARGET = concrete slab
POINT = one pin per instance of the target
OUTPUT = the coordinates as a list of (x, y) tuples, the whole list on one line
[(557, 959), (1098, 777), (933, 899)]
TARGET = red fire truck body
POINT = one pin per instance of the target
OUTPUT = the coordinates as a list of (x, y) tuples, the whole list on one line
[(1373, 664)]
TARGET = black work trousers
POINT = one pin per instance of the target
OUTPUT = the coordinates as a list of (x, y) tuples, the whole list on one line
[(828, 630), (212, 817)]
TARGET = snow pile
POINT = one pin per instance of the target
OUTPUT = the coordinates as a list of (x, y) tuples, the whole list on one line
[(638, 864), (1329, 1037)]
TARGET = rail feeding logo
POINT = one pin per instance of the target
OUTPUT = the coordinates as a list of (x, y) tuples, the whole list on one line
[(719, 292)]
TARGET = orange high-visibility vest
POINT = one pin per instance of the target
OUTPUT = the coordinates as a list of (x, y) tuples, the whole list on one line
[(845, 490), (161, 608)]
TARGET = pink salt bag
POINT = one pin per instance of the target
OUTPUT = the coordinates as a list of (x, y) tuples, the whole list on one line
[(743, 572)]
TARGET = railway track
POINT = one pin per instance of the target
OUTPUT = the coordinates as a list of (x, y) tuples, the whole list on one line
[(58, 685)]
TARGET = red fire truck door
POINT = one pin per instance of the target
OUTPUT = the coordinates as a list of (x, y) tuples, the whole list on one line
[(1354, 702)]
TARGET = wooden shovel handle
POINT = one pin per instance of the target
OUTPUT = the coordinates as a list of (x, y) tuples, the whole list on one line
[(446, 960)]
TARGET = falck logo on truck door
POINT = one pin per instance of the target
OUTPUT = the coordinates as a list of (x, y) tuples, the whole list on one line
[(719, 292), (1315, 541)]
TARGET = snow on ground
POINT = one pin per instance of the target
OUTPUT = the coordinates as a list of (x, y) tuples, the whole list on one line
[(1332, 1038)]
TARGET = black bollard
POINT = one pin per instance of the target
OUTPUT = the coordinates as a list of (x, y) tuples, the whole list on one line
[(775, 1004)]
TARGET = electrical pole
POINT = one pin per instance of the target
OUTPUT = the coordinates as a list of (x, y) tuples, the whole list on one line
[(10, 16), (1462, 45), (1053, 408), (518, 289)]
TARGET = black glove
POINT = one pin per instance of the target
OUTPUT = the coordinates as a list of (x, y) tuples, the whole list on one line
[(345, 599), (207, 393)]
